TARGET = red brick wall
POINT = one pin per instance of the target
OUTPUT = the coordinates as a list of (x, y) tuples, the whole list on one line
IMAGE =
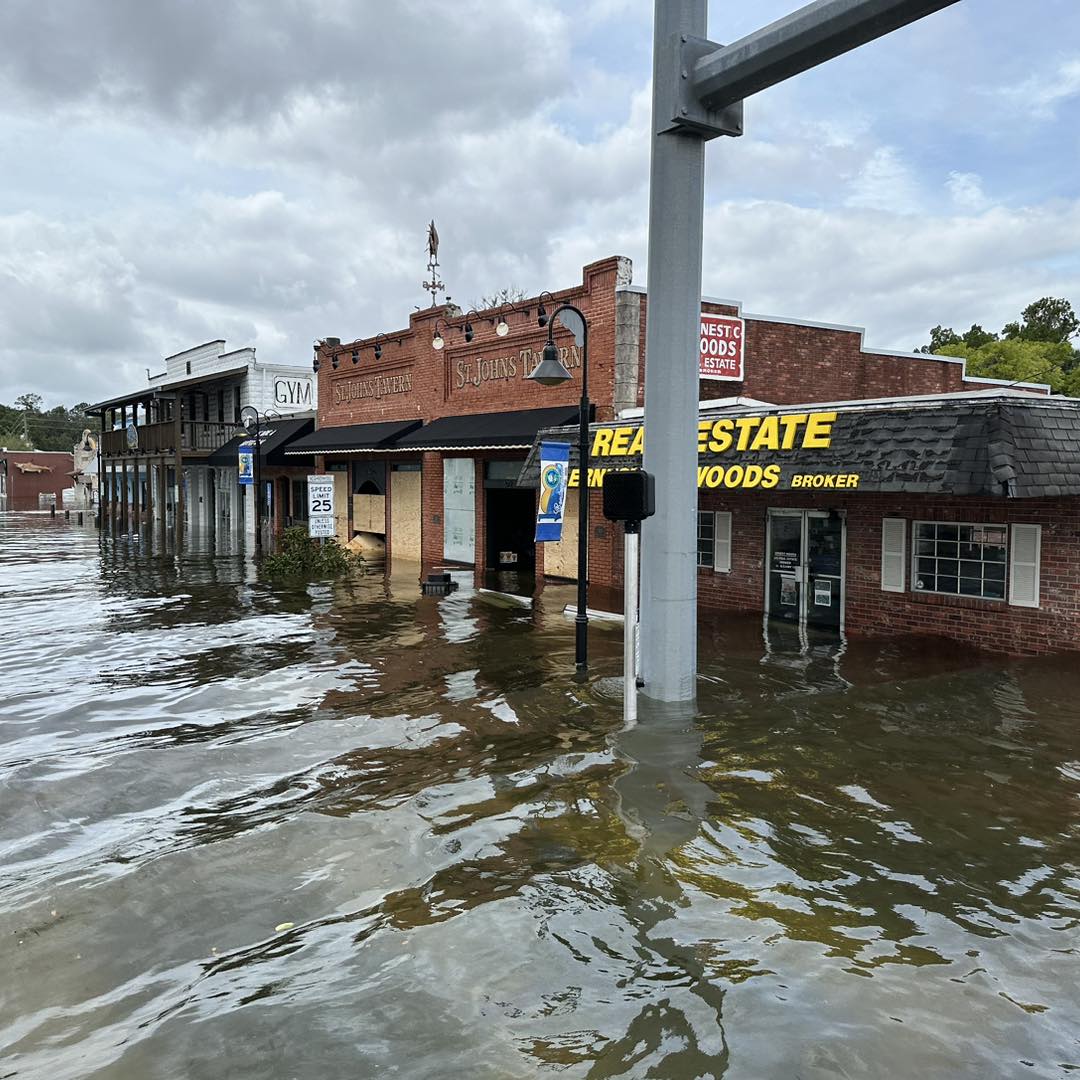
[(789, 364), (23, 488), (989, 624), (413, 381)]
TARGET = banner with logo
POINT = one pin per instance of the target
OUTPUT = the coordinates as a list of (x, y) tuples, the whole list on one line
[(245, 462), (554, 472)]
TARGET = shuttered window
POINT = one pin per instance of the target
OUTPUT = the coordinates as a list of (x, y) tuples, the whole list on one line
[(1024, 566), (893, 556), (722, 542)]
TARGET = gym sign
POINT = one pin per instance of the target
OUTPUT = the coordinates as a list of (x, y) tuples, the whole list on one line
[(782, 435)]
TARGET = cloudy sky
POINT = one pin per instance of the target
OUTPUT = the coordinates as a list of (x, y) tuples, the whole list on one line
[(263, 170)]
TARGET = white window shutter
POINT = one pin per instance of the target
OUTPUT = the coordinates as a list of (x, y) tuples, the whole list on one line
[(1024, 565), (722, 541), (893, 554)]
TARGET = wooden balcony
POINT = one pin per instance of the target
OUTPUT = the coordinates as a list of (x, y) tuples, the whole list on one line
[(198, 438)]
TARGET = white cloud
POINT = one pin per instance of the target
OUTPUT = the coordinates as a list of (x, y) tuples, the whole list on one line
[(885, 182), (966, 192), (265, 174), (1041, 93)]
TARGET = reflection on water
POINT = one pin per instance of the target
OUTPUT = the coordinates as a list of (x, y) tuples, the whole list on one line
[(345, 830)]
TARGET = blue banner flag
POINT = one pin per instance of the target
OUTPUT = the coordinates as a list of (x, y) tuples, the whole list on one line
[(246, 462), (554, 472)]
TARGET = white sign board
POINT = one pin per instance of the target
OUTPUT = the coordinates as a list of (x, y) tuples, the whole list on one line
[(320, 492), (293, 393), (321, 526), (320, 495)]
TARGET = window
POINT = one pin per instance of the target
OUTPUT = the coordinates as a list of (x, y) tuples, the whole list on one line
[(299, 500), (960, 560), (706, 531)]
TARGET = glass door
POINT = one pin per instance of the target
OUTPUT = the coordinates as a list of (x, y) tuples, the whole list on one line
[(785, 565), (805, 567)]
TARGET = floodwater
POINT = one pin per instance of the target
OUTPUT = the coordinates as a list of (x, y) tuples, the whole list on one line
[(340, 830)]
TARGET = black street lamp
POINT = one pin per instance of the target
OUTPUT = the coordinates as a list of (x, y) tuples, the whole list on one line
[(249, 417), (551, 372)]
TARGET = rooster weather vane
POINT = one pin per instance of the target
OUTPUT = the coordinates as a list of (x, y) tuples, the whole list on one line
[(435, 285)]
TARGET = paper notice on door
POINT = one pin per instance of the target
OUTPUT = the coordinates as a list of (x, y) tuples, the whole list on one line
[(789, 591), (823, 592)]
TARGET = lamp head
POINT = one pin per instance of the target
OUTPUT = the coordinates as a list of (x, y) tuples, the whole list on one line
[(550, 371), (502, 327), (438, 341), (249, 417)]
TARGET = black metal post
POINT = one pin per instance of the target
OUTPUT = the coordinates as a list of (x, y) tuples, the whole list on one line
[(581, 620), (258, 483)]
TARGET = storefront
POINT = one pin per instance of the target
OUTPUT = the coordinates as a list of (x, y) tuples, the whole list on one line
[(426, 430), (956, 514), (284, 479)]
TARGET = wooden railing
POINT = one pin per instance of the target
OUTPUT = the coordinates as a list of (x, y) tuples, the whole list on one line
[(195, 435)]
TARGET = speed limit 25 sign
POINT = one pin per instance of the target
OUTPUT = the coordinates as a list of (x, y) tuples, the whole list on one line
[(320, 493)]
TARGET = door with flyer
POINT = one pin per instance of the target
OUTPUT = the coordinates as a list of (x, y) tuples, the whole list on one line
[(804, 573)]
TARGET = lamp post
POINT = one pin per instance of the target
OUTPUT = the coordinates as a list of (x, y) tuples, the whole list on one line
[(551, 372), (249, 417)]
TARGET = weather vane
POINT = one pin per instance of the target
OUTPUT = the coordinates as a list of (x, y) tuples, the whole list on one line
[(434, 286)]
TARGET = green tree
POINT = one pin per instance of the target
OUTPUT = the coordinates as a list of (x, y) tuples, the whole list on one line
[(14, 439), (30, 403), (977, 337), (1017, 360), (1049, 319)]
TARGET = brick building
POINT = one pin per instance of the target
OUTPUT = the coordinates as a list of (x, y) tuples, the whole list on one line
[(30, 479), (428, 430)]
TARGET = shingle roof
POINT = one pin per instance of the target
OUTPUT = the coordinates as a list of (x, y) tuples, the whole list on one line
[(1008, 447)]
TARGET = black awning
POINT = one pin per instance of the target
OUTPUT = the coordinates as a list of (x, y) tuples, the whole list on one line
[(275, 437), (342, 440), (506, 431)]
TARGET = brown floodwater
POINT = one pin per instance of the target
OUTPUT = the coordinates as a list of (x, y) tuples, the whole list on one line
[(326, 830)]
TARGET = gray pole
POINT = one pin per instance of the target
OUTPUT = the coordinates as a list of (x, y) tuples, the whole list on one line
[(669, 539)]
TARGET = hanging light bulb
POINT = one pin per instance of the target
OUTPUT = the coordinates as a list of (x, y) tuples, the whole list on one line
[(541, 315), (468, 330), (378, 351), (502, 327), (438, 341), (355, 357)]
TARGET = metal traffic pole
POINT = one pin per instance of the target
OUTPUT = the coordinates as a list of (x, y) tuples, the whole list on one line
[(698, 91)]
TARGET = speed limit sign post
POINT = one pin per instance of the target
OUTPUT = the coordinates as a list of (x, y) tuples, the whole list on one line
[(320, 490)]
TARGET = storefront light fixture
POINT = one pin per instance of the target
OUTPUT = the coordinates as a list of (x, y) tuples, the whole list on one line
[(355, 356), (502, 327), (541, 310), (437, 339)]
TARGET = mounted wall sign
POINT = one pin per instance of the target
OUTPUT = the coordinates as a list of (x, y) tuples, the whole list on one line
[(721, 348), (294, 392)]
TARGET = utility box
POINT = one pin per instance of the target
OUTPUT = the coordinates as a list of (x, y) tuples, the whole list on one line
[(629, 495)]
